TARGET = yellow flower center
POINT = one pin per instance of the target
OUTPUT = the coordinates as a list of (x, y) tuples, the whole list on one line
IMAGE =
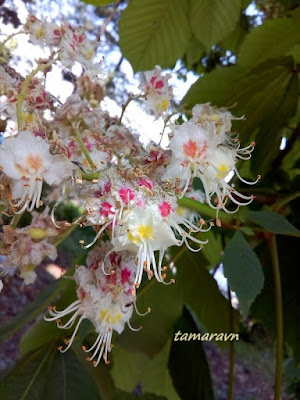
[(108, 317), (142, 232), (223, 169)]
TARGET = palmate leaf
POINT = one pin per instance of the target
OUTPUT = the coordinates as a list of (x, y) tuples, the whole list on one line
[(213, 20), (47, 374), (243, 270), (188, 364), (154, 32), (274, 38), (131, 369)]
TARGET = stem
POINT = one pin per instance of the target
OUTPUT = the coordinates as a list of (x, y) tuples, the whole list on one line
[(279, 317), (25, 84), (124, 106), (90, 177), (231, 350), (205, 209), (164, 128), (2, 44), (67, 232), (16, 220), (84, 149)]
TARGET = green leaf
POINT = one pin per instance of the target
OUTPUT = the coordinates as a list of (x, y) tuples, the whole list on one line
[(44, 331), (152, 375), (49, 375), (191, 379), (28, 378), (212, 251), (260, 94), (295, 53), (273, 222), (99, 3), (166, 305), (274, 38), (201, 293), (234, 40), (243, 270), (287, 95), (154, 32), (68, 380), (99, 374), (194, 53), (212, 20)]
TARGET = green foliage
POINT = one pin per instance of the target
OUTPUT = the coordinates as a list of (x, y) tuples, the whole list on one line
[(273, 222), (243, 270), (156, 326), (154, 32), (212, 20), (47, 374), (201, 293), (191, 378), (274, 38), (98, 3), (44, 332), (152, 375)]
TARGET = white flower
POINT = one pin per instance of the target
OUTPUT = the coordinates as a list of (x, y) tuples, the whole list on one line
[(157, 90), (142, 232), (189, 146), (27, 161)]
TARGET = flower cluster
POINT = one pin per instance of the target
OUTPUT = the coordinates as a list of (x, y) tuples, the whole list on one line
[(75, 151), (157, 91), (106, 296), (203, 147)]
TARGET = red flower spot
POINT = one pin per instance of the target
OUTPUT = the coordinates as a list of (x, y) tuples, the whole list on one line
[(165, 209), (107, 187), (126, 195), (106, 209), (149, 183), (125, 275)]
